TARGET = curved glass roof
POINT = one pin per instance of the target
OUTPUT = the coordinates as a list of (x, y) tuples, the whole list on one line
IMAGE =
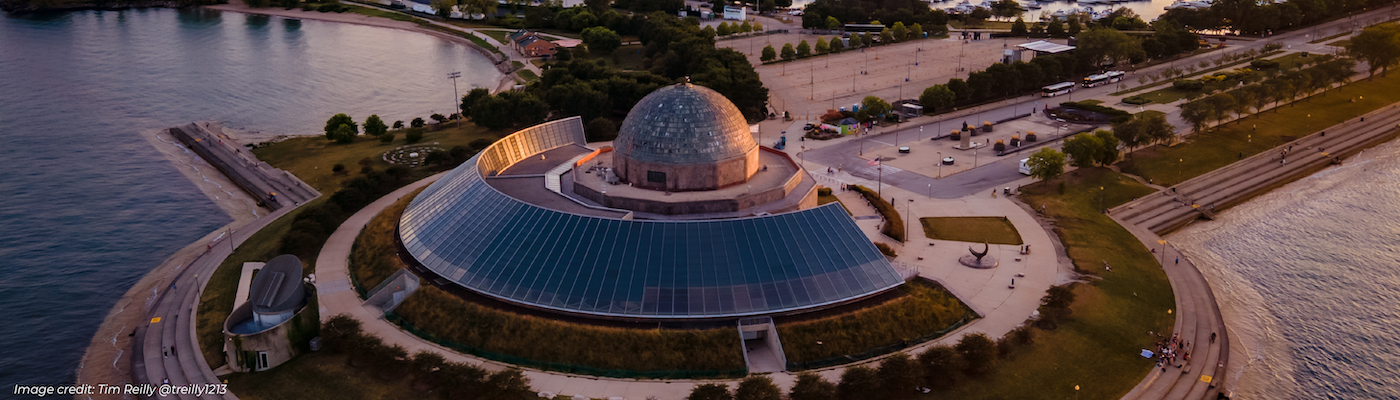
[(684, 124), (470, 233)]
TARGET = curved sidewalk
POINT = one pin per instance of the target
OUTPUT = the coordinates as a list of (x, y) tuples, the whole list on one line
[(1003, 311)]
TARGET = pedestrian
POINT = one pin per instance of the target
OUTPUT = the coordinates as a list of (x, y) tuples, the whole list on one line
[(1212, 337), (172, 351), (165, 352), (1178, 259)]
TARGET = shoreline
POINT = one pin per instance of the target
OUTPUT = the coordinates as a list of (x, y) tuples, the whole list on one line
[(504, 82)]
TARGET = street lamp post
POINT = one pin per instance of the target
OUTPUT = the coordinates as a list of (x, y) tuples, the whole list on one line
[(909, 210), (940, 172), (930, 189), (457, 98)]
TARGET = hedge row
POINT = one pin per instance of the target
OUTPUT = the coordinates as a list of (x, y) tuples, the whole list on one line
[(894, 224)]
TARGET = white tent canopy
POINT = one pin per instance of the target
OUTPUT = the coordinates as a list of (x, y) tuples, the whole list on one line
[(1043, 46)]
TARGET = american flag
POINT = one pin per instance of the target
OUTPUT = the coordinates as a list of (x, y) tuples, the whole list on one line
[(874, 162)]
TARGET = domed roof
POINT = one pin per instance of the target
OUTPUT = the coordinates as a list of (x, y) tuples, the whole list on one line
[(684, 124)]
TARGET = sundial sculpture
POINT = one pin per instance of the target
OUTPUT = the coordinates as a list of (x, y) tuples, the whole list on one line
[(979, 260)]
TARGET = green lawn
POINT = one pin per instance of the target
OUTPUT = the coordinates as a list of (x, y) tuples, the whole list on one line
[(375, 12), (500, 36), (321, 375), (1341, 43), (1290, 61), (1330, 37), (528, 75), (1096, 346), (1195, 74), (1165, 95), (216, 302), (1223, 145), (971, 229), (832, 199), (924, 310), (311, 157)]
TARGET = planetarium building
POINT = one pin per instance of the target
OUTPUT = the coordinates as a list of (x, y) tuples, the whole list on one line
[(683, 217)]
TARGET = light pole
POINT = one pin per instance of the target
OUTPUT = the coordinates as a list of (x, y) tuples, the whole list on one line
[(940, 172), (930, 187), (974, 158), (456, 99), (908, 210)]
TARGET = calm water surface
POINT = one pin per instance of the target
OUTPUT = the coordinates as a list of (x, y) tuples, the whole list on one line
[(87, 206), (1308, 279)]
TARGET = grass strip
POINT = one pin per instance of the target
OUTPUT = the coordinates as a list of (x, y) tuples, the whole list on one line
[(1330, 37), (311, 158), (1111, 316), (1197, 73), (828, 198), (996, 230), (1223, 145), (924, 311)]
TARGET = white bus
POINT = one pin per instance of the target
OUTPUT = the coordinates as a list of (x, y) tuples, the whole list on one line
[(1057, 89), (1025, 166), (1103, 79)]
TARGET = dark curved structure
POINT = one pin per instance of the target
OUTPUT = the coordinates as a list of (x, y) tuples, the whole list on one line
[(548, 250)]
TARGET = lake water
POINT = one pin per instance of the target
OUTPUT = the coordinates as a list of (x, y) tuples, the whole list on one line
[(1308, 279), (87, 206)]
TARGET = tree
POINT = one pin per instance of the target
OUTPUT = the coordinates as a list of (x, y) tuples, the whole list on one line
[(976, 349), (471, 99), (1130, 132), (757, 388), (858, 383), (788, 53), (822, 46), (1054, 27), (837, 45), (1379, 46), (1221, 104), (506, 384), (757, 26), (745, 27), (1074, 27), (900, 32), (1244, 99), (1156, 129), (601, 41), (344, 134), (1108, 147), (768, 54), (443, 8), (917, 30), (886, 37), (937, 97), (1018, 28), (724, 29), (598, 6), (899, 376), (417, 122), (1083, 149), (875, 105), (832, 23), (1006, 8), (866, 39), (977, 16), (811, 386), (940, 365), (375, 126), (398, 124), (960, 88), (1045, 164), (1101, 44), (336, 121), (803, 49), (710, 391), (600, 129), (1197, 113)]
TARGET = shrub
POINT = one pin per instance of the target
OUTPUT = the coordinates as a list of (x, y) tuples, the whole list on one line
[(923, 311), (413, 135), (1263, 64), (886, 250), (710, 391), (894, 224), (899, 376), (1136, 100), (999, 146), (386, 138), (337, 169), (940, 365), (826, 191), (757, 388), (858, 383), (811, 386), (978, 351), (1188, 85), (1030, 137)]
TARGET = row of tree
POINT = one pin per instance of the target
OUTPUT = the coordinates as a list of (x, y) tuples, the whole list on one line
[(1005, 79), (726, 29), (1222, 107), (343, 129), (1102, 147), (830, 14), (898, 33)]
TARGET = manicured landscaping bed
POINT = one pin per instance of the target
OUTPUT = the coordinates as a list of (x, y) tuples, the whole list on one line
[(924, 311), (894, 224), (971, 229), (1099, 341), (311, 158), (1224, 144)]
